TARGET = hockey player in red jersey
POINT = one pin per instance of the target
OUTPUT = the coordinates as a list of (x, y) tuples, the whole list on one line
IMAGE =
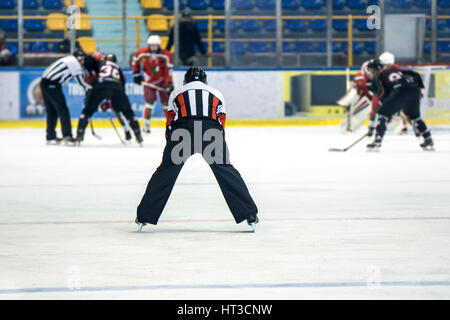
[(157, 65), (356, 101)]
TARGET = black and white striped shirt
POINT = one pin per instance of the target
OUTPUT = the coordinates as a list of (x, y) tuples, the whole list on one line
[(196, 99), (63, 70)]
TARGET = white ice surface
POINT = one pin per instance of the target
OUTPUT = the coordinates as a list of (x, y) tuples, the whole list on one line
[(333, 225)]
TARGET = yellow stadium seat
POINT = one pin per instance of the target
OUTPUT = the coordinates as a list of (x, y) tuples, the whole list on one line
[(151, 4), (87, 44), (85, 22), (164, 41), (157, 22), (79, 3), (56, 21)]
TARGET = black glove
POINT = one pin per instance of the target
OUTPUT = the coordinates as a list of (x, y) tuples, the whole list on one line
[(137, 78), (371, 131), (170, 88)]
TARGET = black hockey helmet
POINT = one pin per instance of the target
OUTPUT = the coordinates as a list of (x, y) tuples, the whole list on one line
[(111, 57), (78, 53), (195, 74), (374, 65)]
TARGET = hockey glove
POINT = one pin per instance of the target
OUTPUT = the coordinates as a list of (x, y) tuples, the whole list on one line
[(170, 88), (137, 78)]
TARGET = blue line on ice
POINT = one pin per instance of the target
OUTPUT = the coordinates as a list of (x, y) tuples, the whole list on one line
[(232, 286)]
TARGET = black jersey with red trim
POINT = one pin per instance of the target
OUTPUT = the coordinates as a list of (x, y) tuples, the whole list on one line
[(111, 72), (196, 100), (388, 80)]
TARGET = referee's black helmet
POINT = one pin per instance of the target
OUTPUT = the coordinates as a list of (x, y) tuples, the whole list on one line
[(195, 74)]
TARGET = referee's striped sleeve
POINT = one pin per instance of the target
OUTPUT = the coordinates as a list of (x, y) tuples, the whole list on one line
[(82, 83)]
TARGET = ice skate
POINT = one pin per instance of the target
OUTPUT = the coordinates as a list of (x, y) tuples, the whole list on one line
[(375, 145), (427, 145), (140, 224), (146, 127), (252, 221), (140, 140), (55, 141), (69, 141), (128, 136)]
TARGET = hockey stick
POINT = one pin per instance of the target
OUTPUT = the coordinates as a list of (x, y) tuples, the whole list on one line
[(151, 85), (350, 146), (115, 129), (92, 130)]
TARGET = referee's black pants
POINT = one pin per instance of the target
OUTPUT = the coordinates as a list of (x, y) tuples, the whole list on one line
[(55, 107), (161, 184)]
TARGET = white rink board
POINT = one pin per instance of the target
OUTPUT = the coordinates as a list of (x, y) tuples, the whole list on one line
[(9, 96), (248, 94), (352, 225)]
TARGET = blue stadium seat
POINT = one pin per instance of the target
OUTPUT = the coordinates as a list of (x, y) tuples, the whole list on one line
[(234, 25), (338, 4), (336, 47), (443, 46), (242, 4), (265, 4), (322, 46), (311, 4), (304, 46), (318, 24), (169, 4), (440, 24), (448, 23), (33, 24), (289, 4), (423, 3), (202, 25), (370, 47), (287, 46), (360, 24), (426, 47), (260, 47), (8, 24), (404, 4), (237, 48), (52, 4), (218, 4), (30, 4), (217, 47), (38, 47), (340, 24), (443, 3), (356, 4), (269, 25), (250, 25), (13, 47), (7, 4), (197, 4), (372, 2), (296, 25), (357, 48)]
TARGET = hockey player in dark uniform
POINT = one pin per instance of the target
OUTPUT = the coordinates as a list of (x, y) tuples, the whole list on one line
[(196, 116), (111, 86), (397, 90), (92, 65)]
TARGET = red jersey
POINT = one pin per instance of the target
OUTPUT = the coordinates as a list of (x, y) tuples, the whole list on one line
[(157, 67), (360, 84), (92, 65)]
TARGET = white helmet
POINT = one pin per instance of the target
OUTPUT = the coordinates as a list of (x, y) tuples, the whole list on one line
[(387, 58), (365, 70), (154, 40)]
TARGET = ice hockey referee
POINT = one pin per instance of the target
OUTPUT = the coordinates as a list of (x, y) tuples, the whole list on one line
[(195, 122), (56, 75)]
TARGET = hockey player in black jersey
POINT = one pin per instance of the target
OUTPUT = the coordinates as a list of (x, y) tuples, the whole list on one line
[(397, 90), (111, 86)]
